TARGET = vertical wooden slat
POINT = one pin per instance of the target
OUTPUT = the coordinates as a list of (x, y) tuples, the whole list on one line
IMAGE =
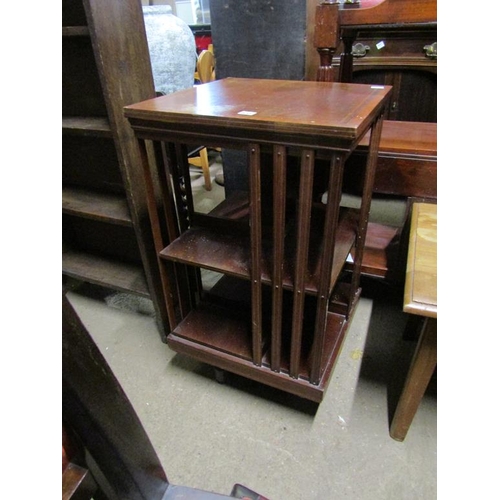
[(364, 213), (256, 244), (346, 57), (303, 228), (182, 161), (157, 233), (329, 234), (180, 201), (162, 164), (279, 202), (187, 286), (194, 274)]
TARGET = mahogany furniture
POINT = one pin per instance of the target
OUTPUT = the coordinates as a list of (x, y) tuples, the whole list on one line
[(107, 238), (335, 22), (391, 42), (282, 308), (420, 299), (406, 169), (114, 458)]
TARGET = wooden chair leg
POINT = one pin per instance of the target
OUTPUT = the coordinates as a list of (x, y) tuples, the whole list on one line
[(202, 162), (205, 165)]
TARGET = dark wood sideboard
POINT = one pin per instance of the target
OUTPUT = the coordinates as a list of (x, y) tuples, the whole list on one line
[(387, 42)]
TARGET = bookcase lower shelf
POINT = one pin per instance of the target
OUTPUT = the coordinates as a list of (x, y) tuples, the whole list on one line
[(222, 337)]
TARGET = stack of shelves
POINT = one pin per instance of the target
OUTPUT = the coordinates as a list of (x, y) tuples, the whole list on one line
[(281, 310), (106, 232)]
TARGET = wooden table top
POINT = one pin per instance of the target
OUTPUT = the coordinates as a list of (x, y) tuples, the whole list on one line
[(321, 109), (421, 271)]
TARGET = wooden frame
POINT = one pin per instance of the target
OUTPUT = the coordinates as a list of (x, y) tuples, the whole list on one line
[(107, 237), (281, 269)]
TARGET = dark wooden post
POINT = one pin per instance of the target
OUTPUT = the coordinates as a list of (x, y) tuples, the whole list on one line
[(326, 38), (346, 58)]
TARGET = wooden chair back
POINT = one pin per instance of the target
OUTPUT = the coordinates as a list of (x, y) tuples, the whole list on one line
[(205, 66)]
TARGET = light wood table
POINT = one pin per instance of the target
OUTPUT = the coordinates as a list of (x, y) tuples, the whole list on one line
[(420, 299)]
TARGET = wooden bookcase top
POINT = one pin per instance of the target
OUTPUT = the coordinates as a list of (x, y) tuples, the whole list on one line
[(328, 114)]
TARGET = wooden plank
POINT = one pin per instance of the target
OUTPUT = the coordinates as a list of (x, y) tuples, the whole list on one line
[(221, 329), (105, 272), (155, 222), (172, 155), (105, 207), (381, 250), (229, 253), (303, 231), (234, 206), (337, 326), (403, 176), (75, 31), (279, 202), (390, 11), (327, 260), (193, 277), (121, 51), (89, 126), (371, 163), (406, 163), (256, 251), (414, 138), (239, 366), (222, 338)]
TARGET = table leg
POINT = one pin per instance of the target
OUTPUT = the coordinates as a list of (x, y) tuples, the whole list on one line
[(422, 367)]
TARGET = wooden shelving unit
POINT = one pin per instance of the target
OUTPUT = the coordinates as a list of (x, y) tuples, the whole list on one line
[(281, 311), (230, 253), (106, 231)]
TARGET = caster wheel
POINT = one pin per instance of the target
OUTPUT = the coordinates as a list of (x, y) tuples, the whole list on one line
[(220, 376)]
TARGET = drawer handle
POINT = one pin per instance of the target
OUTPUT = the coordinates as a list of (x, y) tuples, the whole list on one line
[(431, 51), (360, 49)]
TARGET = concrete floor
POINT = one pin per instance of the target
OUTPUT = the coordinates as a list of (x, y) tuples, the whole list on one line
[(210, 435)]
